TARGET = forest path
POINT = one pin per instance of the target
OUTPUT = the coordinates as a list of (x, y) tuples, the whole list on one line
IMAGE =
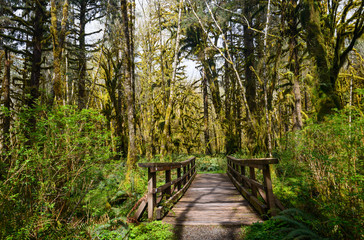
[(212, 206)]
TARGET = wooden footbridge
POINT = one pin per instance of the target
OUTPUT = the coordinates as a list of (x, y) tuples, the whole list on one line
[(188, 198)]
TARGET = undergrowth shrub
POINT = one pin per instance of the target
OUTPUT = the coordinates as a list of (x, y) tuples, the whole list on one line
[(116, 228), (207, 163), (151, 231), (321, 171), (288, 225), (48, 177)]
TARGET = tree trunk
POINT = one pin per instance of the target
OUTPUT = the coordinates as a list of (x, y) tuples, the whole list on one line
[(167, 119), (129, 88), (206, 115), (211, 74), (228, 120), (265, 87), (161, 55), (32, 88), (58, 46), (7, 117), (329, 98), (295, 67), (82, 57), (250, 80)]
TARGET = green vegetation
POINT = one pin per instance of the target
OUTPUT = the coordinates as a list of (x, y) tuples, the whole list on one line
[(48, 178), (321, 173), (163, 80), (151, 231), (289, 224), (211, 164)]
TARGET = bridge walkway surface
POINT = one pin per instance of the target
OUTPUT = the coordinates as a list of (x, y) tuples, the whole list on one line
[(211, 200)]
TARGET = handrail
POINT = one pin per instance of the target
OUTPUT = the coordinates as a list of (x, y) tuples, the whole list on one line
[(156, 194), (249, 187)]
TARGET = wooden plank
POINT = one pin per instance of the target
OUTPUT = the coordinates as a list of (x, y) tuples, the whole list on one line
[(278, 203), (160, 212), (259, 161), (247, 181), (180, 193), (178, 176), (165, 186), (212, 199), (141, 209), (168, 180), (269, 190), (259, 206), (184, 174), (152, 180), (154, 167), (252, 177)]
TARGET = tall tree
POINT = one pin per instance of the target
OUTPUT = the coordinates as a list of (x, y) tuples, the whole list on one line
[(169, 109), (292, 17), (127, 25), (59, 37), (38, 38), (7, 116), (86, 11), (332, 29)]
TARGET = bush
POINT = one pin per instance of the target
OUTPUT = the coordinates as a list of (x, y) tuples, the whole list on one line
[(216, 164), (49, 174), (288, 225), (152, 231), (321, 169)]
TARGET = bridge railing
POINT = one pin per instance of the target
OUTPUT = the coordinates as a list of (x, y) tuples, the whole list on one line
[(260, 195), (171, 191)]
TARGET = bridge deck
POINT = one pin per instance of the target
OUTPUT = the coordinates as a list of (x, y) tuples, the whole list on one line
[(212, 200)]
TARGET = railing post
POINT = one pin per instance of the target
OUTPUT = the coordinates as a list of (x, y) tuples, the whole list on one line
[(252, 176), (188, 170), (168, 179), (228, 163), (178, 176), (194, 165), (152, 199), (268, 189), (242, 171), (184, 172)]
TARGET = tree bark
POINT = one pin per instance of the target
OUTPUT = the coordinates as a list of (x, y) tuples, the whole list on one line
[(295, 65), (228, 96), (250, 80), (32, 88), (206, 115), (129, 88), (167, 119), (7, 105), (328, 67), (58, 37), (82, 57)]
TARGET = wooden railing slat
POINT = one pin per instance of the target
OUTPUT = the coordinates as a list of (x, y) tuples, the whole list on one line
[(165, 186), (189, 172), (155, 167), (249, 187)]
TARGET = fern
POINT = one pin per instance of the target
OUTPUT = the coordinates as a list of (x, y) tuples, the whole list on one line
[(289, 224), (295, 226)]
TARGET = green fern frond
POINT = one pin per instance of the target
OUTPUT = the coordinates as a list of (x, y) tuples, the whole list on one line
[(291, 221), (302, 234)]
